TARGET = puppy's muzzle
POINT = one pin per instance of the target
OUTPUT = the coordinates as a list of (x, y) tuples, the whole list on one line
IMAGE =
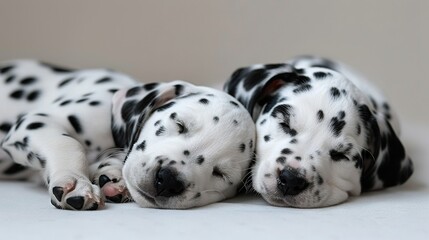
[(290, 183), (167, 183)]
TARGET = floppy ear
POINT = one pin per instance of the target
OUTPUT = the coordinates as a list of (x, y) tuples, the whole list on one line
[(383, 145), (132, 107), (256, 85)]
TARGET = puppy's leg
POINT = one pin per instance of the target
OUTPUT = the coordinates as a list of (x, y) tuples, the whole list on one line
[(40, 142), (107, 173)]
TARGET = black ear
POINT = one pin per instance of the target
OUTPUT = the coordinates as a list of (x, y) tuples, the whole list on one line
[(132, 107), (384, 156), (256, 85)]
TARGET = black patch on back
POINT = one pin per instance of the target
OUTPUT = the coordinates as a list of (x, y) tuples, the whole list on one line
[(17, 94), (286, 151), (104, 80), (141, 146), (9, 79), (133, 91), (74, 121), (127, 110), (6, 69), (165, 106), (65, 82), (33, 95), (56, 68), (320, 75), (160, 131), (28, 81)]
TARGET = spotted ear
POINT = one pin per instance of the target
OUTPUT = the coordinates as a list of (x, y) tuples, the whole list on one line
[(383, 145), (132, 107), (256, 85)]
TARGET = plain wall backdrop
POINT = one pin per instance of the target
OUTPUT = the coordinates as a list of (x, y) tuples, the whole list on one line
[(204, 41)]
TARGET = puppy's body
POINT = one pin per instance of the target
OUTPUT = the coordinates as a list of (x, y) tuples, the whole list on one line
[(323, 132), (57, 121)]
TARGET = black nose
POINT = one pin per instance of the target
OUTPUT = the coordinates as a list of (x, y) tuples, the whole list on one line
[(167, 184), (290, 183)]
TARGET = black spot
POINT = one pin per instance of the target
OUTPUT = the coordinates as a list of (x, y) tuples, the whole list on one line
[(281, 160), (28, 81), (320, 75), (197, 195), (282, 111), (217, 173), (267, 138), (157, 123), (94, 103), (165, 106), (320, 180), (17, 94), (82, 100), (293, 141), (133, 91), (337, 126), (103, 80), (88, 143), (302, 88), (65, 82), (254, 77), (6, 69), (160, 131), (173, 116), (172, 162), (186, 152), (286, 151), (56, 68), (235, 122), (33, 95), (234, 103), (263, 121), (204, 101), (5, 127), (216, 119), (74, 121), (141, 146), (298, 158), (200, 159), (113, 90), (35, 125), (9, 79), (358, 129), (287, 130), (242, 147), (320, 115), (150, 86), (374, 103), (274, 65), (337, 156), (14, 169), (335, 93), (341, 115), (65, 102), (251, 144), (386, 106), (182, 162), (178, 89), (344, 92), (127, 110)]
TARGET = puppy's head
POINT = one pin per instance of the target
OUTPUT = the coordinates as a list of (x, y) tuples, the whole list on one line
[(318, 137), (187, 146)]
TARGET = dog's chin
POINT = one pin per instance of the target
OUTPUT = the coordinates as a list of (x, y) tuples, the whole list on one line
[(297, 201), (146, 200)]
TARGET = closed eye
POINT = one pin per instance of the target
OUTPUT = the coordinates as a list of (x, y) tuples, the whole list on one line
[(217, 173), (181, 127), (337, 156)]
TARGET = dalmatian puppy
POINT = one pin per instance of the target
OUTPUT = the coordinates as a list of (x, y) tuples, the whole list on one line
[(97, 135), (323, 132)]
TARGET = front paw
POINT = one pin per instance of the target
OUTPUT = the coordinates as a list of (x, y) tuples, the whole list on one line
[(109, 179), (74, 192)]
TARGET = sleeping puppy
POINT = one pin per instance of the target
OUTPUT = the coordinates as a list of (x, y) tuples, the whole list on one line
[(179, 145), (323, 132)]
